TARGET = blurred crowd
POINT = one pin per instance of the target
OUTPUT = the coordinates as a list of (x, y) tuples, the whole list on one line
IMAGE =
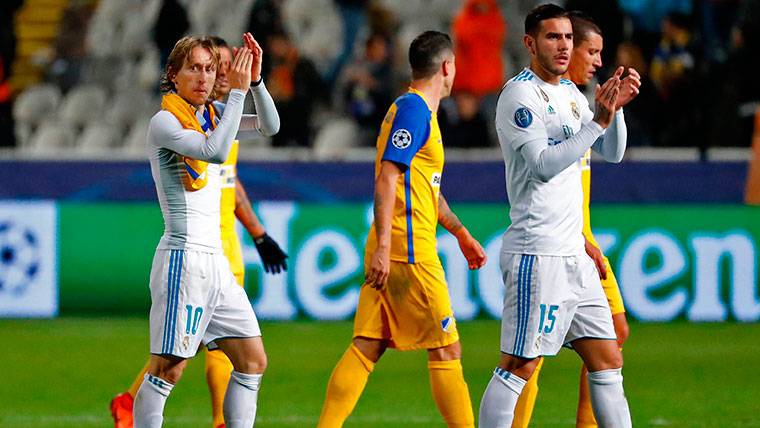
[(334, 66)]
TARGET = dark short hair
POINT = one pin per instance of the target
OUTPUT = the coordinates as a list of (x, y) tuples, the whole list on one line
[(427, 51), (583, 25), (219, 42), (541, 13)]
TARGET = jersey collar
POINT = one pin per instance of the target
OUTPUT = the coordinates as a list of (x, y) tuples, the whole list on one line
[(421, 95)]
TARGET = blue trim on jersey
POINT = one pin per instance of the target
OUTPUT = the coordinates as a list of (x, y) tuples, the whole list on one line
[(207, 117), (520, 309), (175, 294), (166, 314), (527, 296), (409, 233), (410, 129), (565, 82), (192, 172), (524, 76), (519, 75)]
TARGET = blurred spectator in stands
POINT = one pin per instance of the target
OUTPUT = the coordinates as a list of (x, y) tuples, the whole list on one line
[(171, 25), (296, 87), (643, 116), (610, 18), (717, 18), (7, 55), (70, 47), (647, 17), (265, 19), (677, 81), (368, 85), (462, 122), (479, 33), (353, 17)]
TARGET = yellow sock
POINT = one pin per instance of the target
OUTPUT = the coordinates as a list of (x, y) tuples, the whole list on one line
[(450, 393), (138, 380), (218, 371), (585, 416), (527, 400), (345, 387)]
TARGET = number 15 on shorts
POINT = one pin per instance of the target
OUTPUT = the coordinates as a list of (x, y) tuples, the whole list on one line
[(548, 317)]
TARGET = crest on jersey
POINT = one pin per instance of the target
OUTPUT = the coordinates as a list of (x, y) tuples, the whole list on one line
[(543, 95), (523, 117), (575, 109), (401, 139), (447, 323)]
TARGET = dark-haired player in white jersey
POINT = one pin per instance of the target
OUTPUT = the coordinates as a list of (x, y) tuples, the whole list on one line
[(553, 296)]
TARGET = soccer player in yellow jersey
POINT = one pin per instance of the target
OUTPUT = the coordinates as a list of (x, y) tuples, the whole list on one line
[(404, 301), (585, 60), (234, 204)]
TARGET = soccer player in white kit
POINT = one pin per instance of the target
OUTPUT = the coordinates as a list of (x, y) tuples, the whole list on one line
[(195, 298), (553, 296)]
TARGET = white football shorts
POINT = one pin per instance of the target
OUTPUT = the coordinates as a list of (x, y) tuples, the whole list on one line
[(196, 300), (549, 302)]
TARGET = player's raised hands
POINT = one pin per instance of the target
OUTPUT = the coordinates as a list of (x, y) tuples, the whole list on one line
[(379, 268), (258, 55), (606, 99), (239, 74), (629, 88), (598, 258)]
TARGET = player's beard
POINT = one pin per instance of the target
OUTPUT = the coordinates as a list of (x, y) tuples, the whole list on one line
[(547, 62)]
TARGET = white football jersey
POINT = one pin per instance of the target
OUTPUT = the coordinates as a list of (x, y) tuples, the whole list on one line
[(191, 219), (546, 217)]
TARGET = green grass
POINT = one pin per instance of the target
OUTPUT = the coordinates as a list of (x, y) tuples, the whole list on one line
[(63, 373)]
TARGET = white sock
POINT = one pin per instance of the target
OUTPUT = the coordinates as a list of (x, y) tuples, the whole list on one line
[(149, 402), (608, 399), (240, 400), (497, 408)]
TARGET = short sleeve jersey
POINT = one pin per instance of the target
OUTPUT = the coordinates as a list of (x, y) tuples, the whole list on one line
[(410, 137), (546, 217)]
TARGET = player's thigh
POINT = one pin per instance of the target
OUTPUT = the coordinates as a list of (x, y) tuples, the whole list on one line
[(538, 304), (420, 311), (181, 289), (592, 318), (246, 354), (612, 290), (233, 316), (599, 354)]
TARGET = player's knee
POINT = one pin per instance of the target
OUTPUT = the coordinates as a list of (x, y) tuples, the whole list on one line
[(169, 372), (522, 367), (446, 353), (373, 349), (252, 364)]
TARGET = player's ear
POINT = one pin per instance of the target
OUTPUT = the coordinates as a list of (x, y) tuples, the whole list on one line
[(528, 41)]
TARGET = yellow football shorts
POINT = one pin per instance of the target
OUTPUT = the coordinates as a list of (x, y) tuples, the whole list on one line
[(234, 253), (612, 290), (412, 311)]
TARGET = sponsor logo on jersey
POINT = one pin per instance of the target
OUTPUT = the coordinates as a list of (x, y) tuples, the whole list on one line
[(568, 131), (447, 323), (551, 110), (389, 116), (523, 117), (543, 95), (401, 139), (575, 109), (435, 179)]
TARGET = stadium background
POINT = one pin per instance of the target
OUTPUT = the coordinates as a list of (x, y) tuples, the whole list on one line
[(79, 222)]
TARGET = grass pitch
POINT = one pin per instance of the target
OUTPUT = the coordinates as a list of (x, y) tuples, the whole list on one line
[(63, 373)]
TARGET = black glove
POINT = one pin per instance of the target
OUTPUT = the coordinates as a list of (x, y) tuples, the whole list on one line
[(271, 255)]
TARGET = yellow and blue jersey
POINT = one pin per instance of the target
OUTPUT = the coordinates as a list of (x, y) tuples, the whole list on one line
[(410, 137)]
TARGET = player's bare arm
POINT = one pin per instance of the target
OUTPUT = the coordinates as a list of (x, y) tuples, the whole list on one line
[(385, 197), (597, 256), (272, 256), (471, 248)]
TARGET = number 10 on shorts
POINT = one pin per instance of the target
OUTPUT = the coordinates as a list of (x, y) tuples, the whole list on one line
[(547, 317), (193, 319)]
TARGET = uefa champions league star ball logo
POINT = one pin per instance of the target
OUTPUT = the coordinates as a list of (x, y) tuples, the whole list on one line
[(19, 258), (402, 139)]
